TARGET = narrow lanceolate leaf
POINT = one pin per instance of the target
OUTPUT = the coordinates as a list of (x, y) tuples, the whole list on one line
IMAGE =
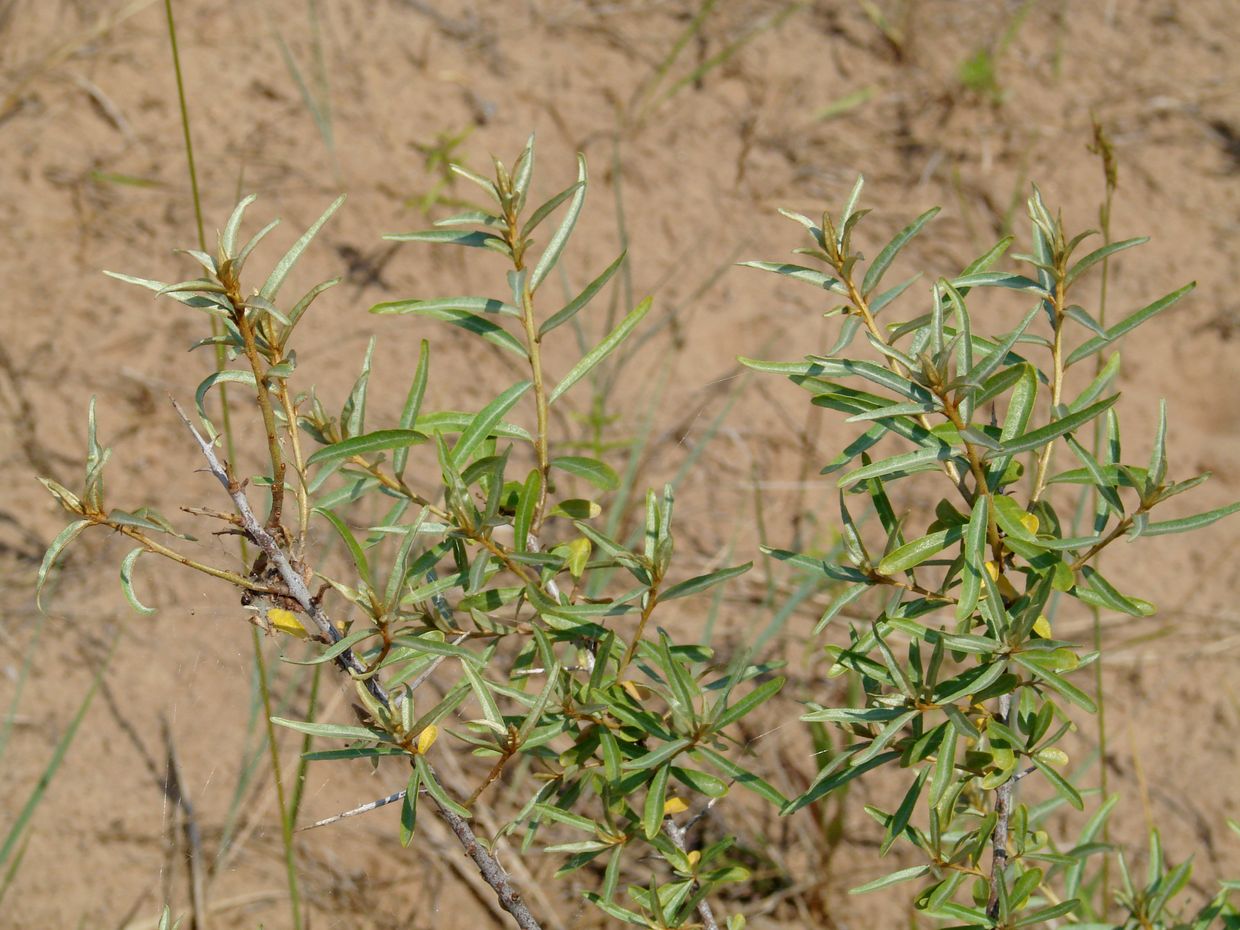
[(974, 557), (1037, 438), (485, 422), (489, 330), (656, 797), (66, 536), (551, 254), (919, 459), (1002, 279), (602, 350), (351, 543), (741, 708), (574, 306), (329, 730), (1020, 406), (702, 582), (478, 240), (127, 583), (544, 210), (801, 273), (1102, 593), (915, 552), (1158, 457), (1098, 255), (480, 305), (378, 441), (285, 265), (598, 473), (413, 405), (903, 875), (457, 421), (218, 377), (883, 260), (742, 776), (845, 367), (228, 237), (436, 790), (1089, 347), (531, 493), (1184, 524), (1059, 783)]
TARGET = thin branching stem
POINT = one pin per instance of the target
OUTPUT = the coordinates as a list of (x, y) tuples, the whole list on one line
[(347, 660), (677, 835), (246, 328)]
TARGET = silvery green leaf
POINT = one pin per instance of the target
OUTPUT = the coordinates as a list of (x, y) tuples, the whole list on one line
[(485, 422), (471, 218), (801, 273), (228, 237), (220, 377), (883, 260), (1098, 255), (905, 463), (276, 279), (474, 239), (485, 183), (1037, 438), (609, 343), (1014, 282), (1127, 324), (903, 875), (456, 421), (916, 551), (239, 259), (366, 443), (1100, 383), (523, 172), (480, 305), (597, 473), (974, 557), (574, 306), (413, 404), (66, 536), (551, 254), (127, 566), (353, 414), (1195, 522), (479, 325)]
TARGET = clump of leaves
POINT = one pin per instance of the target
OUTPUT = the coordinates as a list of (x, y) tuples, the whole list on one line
[(966, 686), (477, 572)]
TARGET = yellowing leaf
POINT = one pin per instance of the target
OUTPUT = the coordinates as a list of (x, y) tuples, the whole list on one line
[(992, 570), (578, 556), (1030, 522), (1053, 756), (674, 805), (426, 739), (286, 622), (694, 857), (1042, 627), (632, 689)]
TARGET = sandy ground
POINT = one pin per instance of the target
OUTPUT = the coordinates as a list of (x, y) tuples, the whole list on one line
[(92, 176)]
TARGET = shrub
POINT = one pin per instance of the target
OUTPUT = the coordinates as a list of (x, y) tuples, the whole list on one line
[(490, 573)]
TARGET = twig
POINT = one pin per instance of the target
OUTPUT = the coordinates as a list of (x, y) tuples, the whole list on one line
[(703, 907), (175, 789), (1003, 810), (490, 869), (369, 806)]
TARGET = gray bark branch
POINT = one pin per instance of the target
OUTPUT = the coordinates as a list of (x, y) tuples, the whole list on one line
[(490, 869)]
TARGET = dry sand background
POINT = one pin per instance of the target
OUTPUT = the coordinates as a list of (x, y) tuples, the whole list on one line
[(87, 101)]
